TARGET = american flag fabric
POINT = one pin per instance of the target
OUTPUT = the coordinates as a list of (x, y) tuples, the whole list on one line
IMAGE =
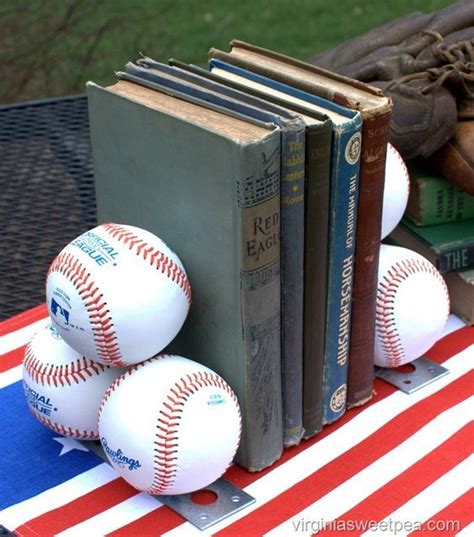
[(400, 465)]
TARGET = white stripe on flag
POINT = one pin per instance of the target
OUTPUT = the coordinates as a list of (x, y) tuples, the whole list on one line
[(327, 449), (383, 470), (50, 499), (468, 531), (20, 337), (114, 518), (431, 500), (11, 376)]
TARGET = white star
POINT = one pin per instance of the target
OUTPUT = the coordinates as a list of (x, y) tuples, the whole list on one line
[(69, 444)]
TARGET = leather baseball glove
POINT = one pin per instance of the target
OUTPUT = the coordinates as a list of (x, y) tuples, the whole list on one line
[(425, 62)]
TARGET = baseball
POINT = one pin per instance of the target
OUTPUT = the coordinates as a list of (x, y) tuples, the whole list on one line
[(396, 189), (63, 389), (117, 294), (412, 306), (170, 425)]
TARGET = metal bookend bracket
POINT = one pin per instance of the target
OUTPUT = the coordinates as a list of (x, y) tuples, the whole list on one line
[(229, 500), (425, 372)]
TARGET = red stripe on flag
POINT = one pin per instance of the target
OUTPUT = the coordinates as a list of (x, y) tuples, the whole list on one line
[(12, 359), (342, 468), (452, 344), (79, 510), (445, 348), (288, 503), (451, 520), (157, 522), (23, 319), (242, 478), (412, 481)]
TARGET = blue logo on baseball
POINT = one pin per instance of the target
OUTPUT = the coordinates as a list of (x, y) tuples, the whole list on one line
[(119, 458), (61, 314)]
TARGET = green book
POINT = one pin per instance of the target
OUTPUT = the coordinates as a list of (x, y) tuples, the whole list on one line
[(448, 246), (435, 200), (207, 182)]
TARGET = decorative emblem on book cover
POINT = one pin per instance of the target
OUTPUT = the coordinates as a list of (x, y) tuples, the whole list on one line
[(338, 399), (352, 151)]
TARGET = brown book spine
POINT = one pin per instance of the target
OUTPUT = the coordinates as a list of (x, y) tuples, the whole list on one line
[(369, 222)]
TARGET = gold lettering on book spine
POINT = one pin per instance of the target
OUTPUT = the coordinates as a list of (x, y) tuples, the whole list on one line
[(262, 234)]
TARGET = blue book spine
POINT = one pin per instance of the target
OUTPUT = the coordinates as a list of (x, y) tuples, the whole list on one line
[(342, 227), (292, 218)]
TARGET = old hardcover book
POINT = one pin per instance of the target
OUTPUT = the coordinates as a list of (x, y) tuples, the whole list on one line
[(461, 293), (435, 200), (448, 246), (375, 109), (346, 126), (208, 183), (317, 185), (292, 215)]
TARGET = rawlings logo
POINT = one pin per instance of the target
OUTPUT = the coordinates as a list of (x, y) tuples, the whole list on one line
[(117, 457)]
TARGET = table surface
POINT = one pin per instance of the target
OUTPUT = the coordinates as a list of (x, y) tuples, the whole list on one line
[(400, 463), (47, 192)]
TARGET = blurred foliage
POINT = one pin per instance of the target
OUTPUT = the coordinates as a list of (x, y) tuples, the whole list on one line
[(52, 47)]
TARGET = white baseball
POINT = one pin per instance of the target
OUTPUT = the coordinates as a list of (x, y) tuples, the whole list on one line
[(63, 389), (118, 294), (412, 306), (170, 425), (396, 190)]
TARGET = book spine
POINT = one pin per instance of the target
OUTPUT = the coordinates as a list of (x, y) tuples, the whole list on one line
[(461, 294), (435, 200), (318, 167), (292, 260), (258, 226), (454, 257), (369, 221), (342, 233)]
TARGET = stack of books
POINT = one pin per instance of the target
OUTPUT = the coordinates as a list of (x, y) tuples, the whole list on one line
[(266, 175), (439, 224)]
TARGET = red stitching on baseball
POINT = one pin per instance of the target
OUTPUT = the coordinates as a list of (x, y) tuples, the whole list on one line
[(385, 319), (99, 315), (156, 258), (65, 431), (166, 444), (60, 375), (404, 166), (168, 421)]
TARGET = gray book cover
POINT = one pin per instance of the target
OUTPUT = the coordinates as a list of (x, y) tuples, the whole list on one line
[(208, 184)]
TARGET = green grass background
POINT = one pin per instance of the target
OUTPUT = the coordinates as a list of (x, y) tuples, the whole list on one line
[(46, 51)]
